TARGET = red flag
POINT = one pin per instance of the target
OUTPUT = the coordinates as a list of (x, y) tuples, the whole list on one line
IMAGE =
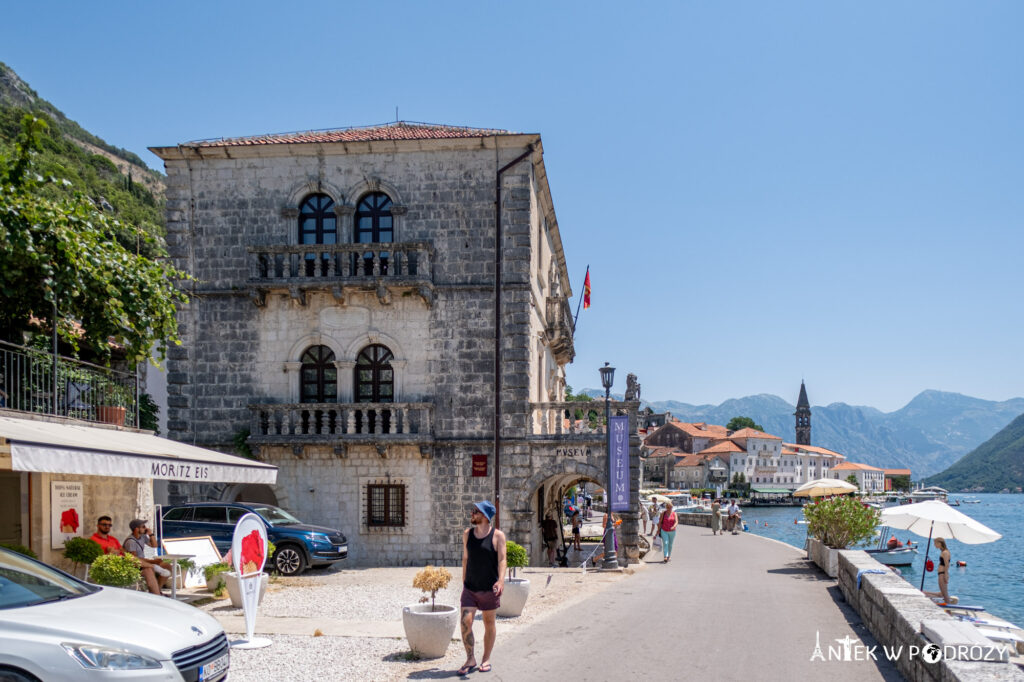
[(586, 291)]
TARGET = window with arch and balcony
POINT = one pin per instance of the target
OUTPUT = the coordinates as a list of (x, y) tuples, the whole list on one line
[(318, 224), (318, 376), (374, 224)]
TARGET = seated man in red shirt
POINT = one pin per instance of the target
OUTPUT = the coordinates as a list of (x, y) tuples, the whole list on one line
[(110, 545), (104, 539)]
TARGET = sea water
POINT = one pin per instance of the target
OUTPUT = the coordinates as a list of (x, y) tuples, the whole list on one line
[(993, 576)]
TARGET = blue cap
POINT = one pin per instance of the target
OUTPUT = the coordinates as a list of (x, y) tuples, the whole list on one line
[(486, 508)]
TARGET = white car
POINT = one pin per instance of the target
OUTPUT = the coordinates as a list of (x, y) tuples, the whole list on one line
[(54, 627)]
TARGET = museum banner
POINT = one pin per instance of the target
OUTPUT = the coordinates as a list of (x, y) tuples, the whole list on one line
[(618, 451)]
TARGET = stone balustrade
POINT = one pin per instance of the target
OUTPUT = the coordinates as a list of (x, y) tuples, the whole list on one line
[(572, 417), (306, 263), (323, 422)]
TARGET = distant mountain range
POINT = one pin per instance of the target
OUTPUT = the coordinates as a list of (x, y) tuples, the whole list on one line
[(928, 434), (995, 465)]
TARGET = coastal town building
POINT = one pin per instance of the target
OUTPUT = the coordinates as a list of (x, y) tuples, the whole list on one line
[(869, 479), (383, 314), (891, 474), (708, 456), (803, 417)]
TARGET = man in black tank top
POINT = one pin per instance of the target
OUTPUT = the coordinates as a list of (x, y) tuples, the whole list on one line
[(483, 579)]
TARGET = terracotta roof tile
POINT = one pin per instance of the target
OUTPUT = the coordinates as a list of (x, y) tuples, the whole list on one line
[(752, 433), (725, 446), (897, 472), (813, 449), (400, 130), (854, 466)]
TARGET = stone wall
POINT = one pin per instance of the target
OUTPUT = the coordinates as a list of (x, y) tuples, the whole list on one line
[(893, 610)]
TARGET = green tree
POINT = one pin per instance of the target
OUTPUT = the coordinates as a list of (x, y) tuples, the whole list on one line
[(59, 248), (737, 423), (901, 483), (852, 479), (573, 397)]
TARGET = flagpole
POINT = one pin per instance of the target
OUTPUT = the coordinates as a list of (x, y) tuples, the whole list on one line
[(582, 292)]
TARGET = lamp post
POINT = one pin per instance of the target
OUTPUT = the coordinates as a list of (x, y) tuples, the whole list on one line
[(611, 559)]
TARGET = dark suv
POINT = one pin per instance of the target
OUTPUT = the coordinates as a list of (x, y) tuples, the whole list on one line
[(298, 545)]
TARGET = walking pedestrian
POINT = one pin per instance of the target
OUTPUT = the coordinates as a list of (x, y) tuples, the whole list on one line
[(645, 516), (655, 516), (716, 517), (483, 580), (577, 523), (667, 524), (549, 529)]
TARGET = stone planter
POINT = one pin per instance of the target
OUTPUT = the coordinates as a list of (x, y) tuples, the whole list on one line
[(233, 582), (429, 632), (513, 597), (826, 558)]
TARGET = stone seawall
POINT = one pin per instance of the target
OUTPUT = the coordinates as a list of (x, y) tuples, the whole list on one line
[(703, 520), (893, 610)]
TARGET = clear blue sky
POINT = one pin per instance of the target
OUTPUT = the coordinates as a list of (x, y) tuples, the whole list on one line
[(764, 191)]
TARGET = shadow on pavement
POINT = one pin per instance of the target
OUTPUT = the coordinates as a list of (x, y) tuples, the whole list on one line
[(885, 667), (802, 570)]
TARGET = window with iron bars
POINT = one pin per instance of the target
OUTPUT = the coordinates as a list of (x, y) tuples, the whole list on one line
[(385, 505)]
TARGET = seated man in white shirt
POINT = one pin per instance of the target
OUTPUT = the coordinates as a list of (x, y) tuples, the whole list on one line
[(135, 544)]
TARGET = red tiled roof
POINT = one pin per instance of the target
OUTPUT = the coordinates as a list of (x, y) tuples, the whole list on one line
[(813, 449), (752, 433), (689, 460), (854, 466), (400, 130), (723, 447), (897, 472)]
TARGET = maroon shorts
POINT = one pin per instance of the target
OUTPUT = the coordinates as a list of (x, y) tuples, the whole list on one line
[(484, 601)]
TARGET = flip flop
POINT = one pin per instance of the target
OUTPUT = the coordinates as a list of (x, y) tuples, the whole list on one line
[(465, 670), (485, 668)]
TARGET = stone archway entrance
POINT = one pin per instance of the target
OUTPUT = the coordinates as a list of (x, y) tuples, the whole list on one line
[(252, 493)]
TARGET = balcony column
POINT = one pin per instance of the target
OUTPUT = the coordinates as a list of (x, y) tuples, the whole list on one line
[(294, 372), (346, 379), (398, 368)]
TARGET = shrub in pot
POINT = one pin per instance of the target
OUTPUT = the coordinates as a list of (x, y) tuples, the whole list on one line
[(837, 523), (115, 570), (429, 628), (213, 573), (513, 597), (82, 552)]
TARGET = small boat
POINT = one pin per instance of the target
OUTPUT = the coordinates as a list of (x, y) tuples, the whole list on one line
[(899, 556)]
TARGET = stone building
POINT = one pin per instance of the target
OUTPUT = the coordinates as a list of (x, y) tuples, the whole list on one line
[(345, 325)]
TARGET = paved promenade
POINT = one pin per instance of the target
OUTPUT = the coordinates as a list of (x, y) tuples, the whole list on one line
[(725, 608)]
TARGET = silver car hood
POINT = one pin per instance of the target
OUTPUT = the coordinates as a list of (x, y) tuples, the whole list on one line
[(139, 622)]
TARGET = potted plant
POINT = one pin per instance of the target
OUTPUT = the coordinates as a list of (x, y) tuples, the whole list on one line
[(214, 575), (429, 627), (836, 524), (114, 401), (513, 597), (233, 581), (115, 570), (82, 552)]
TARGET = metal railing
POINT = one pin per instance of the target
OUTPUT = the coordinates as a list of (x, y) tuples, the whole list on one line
[(32, 380)]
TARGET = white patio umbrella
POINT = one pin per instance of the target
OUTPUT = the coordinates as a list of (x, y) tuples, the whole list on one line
[(824, 486), (934, 517)]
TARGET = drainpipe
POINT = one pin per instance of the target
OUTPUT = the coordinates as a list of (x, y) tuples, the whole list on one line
[(497, 326)]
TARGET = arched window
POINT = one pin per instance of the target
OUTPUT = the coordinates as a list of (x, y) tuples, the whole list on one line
[(374, 225), (318, 224), (374, 378), (319, 375)]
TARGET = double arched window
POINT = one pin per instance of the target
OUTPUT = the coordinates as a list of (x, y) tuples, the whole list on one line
[(319, 375)]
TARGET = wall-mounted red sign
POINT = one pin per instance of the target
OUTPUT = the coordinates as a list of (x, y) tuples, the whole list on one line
[(479, 465)]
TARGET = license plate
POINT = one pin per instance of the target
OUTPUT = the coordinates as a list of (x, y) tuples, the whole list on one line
[(342, 549), (215, 668)]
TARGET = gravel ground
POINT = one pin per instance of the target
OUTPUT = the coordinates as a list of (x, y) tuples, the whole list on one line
[(378, 594)]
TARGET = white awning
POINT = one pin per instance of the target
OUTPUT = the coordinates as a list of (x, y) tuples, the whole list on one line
[(48, 447)]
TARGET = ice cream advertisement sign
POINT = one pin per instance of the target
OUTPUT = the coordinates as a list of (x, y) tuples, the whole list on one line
[(65, 512), (248, 552)]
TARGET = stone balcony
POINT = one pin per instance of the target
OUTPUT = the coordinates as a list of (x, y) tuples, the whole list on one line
[(560, 329), (384, 269), (341, 423), (574, 418)]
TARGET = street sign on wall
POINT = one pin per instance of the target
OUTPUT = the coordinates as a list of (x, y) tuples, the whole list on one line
[(479, 465)]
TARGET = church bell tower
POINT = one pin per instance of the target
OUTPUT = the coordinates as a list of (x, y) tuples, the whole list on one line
[(803, 418)]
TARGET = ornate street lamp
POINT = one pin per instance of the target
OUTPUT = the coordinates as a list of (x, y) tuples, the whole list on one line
[(611, 559)]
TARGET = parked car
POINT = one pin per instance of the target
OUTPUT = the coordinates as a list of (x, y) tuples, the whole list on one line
[(57, 628), (298, 545)]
